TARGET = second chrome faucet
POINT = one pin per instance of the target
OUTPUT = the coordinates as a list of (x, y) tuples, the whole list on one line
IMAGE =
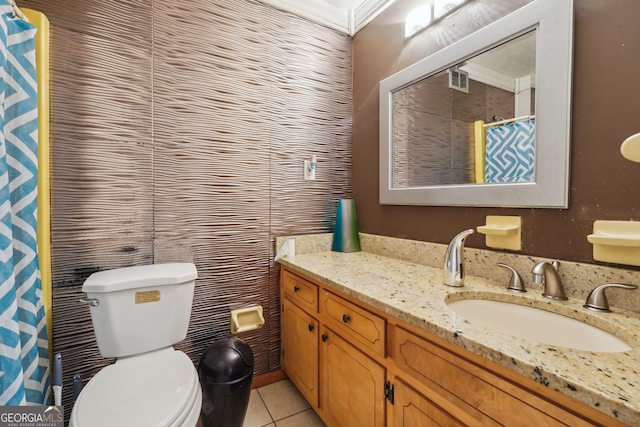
[(548, 273)]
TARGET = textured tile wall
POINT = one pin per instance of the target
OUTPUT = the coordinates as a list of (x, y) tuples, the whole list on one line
[(440, 127), (179, 130)]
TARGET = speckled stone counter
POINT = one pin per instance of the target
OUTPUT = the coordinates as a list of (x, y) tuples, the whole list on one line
[(414, 293)]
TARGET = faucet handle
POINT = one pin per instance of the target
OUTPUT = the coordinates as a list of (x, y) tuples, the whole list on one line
[(516, 284), (597, 300)]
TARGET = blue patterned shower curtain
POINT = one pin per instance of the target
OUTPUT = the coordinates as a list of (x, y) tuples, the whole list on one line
[(24, 358), (510, 152)]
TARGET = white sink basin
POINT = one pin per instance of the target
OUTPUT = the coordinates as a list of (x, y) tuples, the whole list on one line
[(538, 325)]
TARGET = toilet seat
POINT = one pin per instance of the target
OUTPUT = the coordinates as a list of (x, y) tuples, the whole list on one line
[(159, 389)]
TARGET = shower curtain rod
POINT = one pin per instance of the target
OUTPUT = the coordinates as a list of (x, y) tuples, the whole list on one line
[(515, 119), (16, 10)]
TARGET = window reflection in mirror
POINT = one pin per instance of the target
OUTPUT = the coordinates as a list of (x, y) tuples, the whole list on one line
[(471, 123)]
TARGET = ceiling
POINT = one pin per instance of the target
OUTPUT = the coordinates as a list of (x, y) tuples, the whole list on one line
[(347, 16)]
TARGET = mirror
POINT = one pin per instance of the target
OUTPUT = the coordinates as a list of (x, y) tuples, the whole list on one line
[(471, 123), (486, 120)]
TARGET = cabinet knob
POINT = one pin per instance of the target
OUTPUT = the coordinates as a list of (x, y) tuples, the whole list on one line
[(324, 337), (311, 328), (346, 318), (296, 289)]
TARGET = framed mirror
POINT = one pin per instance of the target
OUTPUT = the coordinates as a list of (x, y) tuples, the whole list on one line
[(486, 120)]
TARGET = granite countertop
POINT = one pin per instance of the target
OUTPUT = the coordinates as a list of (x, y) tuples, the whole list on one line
[(414, 293)]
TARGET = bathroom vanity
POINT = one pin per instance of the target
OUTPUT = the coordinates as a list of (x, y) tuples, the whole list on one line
[(370, 341)]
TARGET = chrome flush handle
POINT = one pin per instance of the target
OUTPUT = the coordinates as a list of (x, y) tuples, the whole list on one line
[(89, 301)]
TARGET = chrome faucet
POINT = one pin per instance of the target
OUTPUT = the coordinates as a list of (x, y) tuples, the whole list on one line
[(553, 288), (454, 260)]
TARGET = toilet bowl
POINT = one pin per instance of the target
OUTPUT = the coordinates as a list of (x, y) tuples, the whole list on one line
[(159, 389), (138, 313)]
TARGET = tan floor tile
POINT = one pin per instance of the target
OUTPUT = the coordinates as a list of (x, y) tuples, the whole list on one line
[(282, 399), (257, 413), (306, 418)]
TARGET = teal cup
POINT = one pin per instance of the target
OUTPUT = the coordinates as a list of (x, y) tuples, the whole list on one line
[(345, 234)]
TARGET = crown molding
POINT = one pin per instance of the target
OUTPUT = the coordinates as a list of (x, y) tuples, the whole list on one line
[(348, 21)]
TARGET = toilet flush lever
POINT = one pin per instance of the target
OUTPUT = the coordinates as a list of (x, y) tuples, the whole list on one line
[(89, 301)]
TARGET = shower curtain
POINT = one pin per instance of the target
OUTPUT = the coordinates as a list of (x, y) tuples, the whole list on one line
[(510, 152), (24, 358)]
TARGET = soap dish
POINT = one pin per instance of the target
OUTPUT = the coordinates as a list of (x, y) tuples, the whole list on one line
[(630, 148), (502, 232), (616, 241)]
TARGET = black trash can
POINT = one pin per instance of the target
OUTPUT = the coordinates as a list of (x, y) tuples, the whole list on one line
[(226, 372)]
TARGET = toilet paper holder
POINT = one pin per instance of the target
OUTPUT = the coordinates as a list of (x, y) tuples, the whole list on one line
[(246, 319)]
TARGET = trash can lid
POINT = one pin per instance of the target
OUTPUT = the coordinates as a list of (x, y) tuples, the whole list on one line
[(228, 359)]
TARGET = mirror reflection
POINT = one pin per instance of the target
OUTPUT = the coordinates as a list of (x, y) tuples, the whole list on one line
[(472, 123)]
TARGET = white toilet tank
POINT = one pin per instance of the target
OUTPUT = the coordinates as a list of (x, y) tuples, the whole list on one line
[(140, 309)]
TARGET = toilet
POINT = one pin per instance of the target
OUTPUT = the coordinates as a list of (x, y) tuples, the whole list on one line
[(138, 314)]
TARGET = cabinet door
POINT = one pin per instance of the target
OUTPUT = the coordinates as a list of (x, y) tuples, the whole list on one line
[(300, 350), (412, 409), (352, 384)]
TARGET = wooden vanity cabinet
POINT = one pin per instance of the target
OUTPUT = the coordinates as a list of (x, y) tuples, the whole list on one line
[(300, 350), (301, 292), (358, 366), (476, 387), (412, 408), (326, 352), (352, 384), (354, 322)]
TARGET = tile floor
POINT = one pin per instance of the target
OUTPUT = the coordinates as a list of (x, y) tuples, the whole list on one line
[(279, 405)]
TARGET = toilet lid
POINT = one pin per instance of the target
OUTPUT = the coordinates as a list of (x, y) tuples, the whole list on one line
[(144, 390)]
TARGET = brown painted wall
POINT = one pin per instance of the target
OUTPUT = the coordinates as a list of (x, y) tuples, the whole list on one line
[(178, 134), (605, 111)]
